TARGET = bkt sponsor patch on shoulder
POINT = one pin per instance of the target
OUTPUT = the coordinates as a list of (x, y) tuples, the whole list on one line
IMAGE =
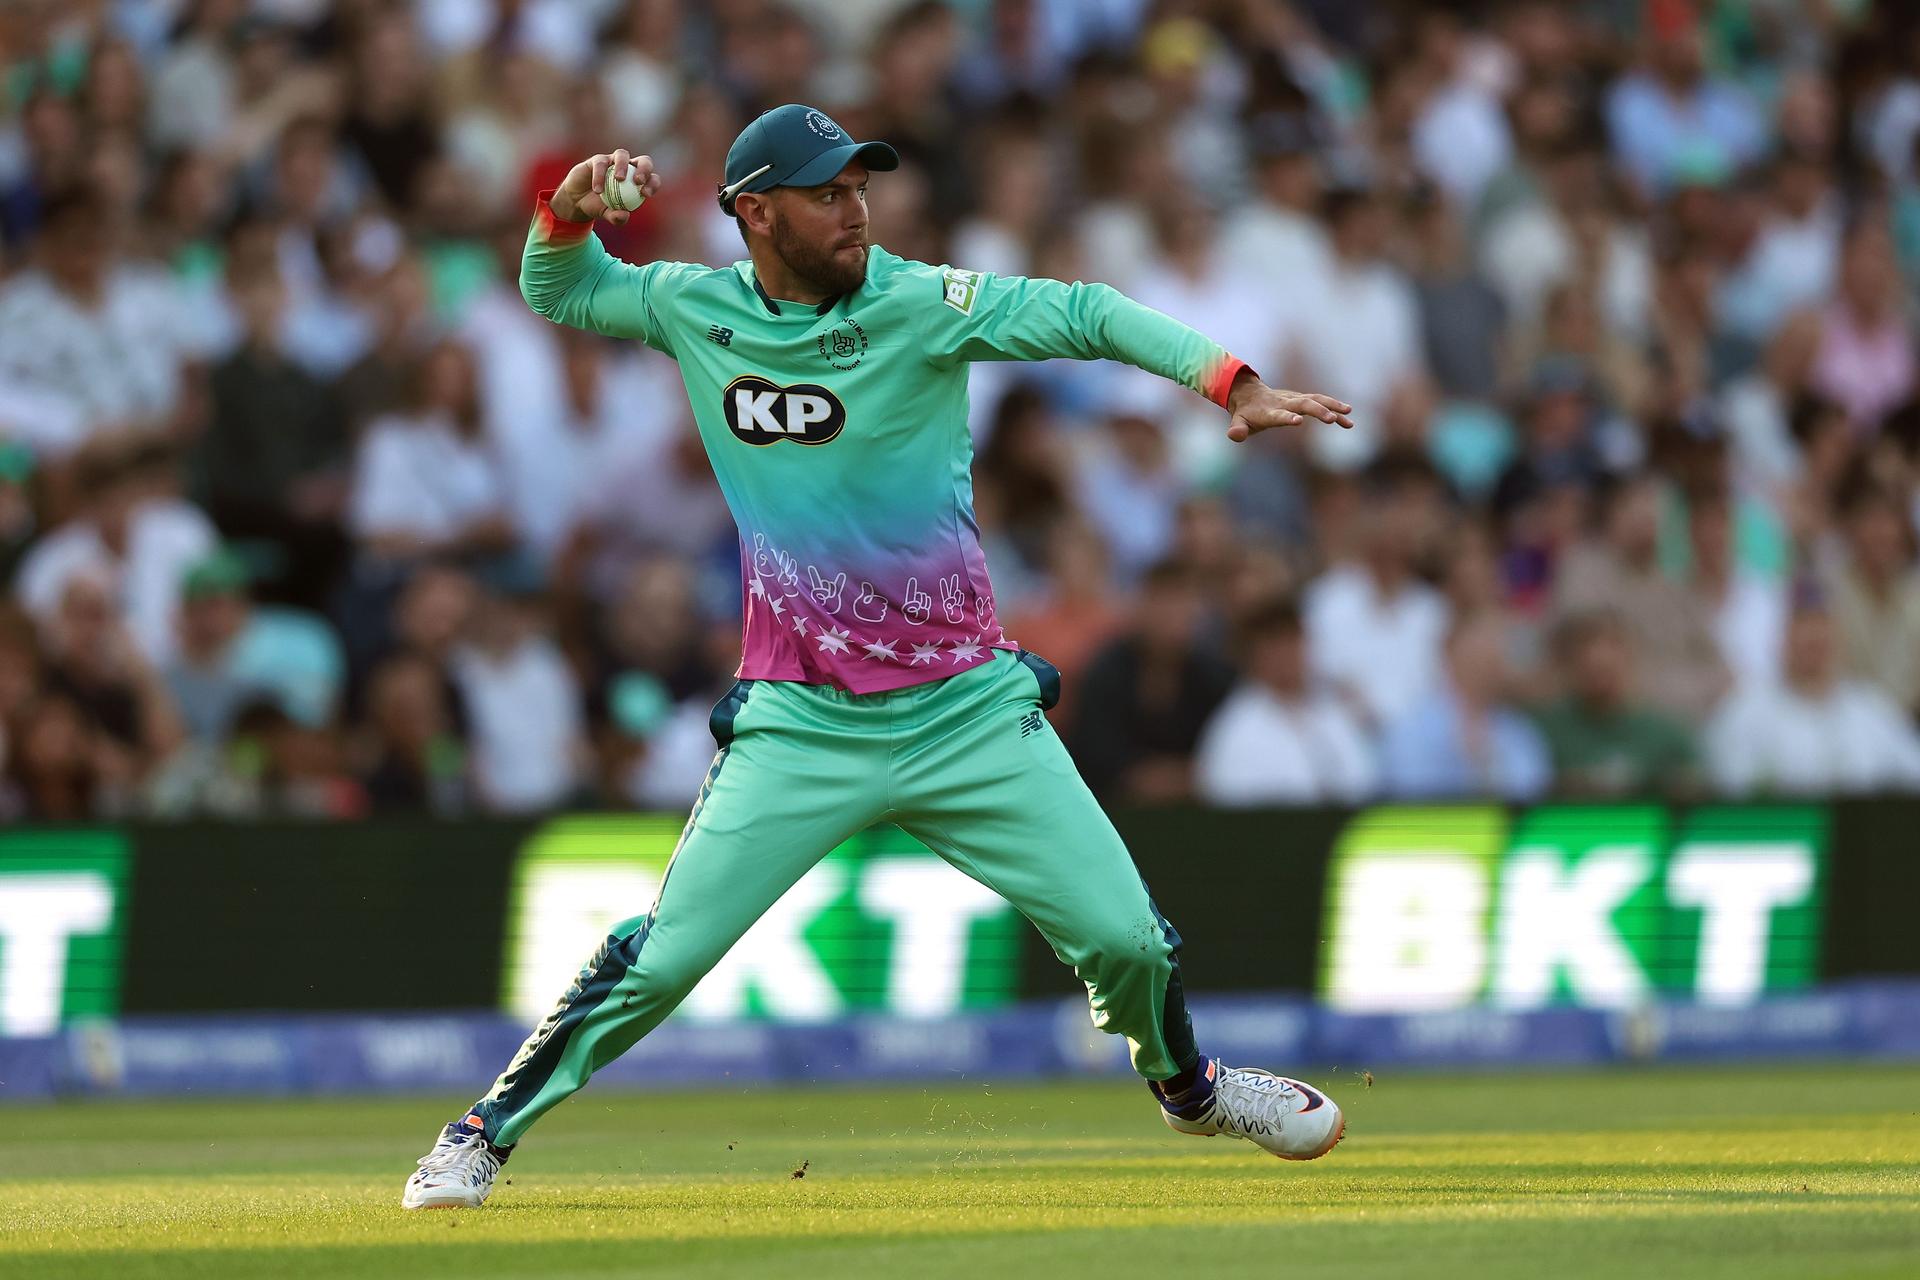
[(961, 289)]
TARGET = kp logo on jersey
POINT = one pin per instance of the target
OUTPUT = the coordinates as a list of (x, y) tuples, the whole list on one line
[(763, 413)]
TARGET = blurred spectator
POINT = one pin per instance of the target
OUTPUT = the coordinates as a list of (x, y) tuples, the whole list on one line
[(1749, 611), (136, 540), (389, 122), (1754, 408), (426, 482), (1672, 119), (1275, 741), (652, 626), (1369, 343), (428, 620), (1464, 739), (1074, 614), (1671, 627), (1276, 235), (63, 769), (1794, 253), (1875, 597), (1148, 695), (203, 677), (1865, 360), (269, 765), (1462, 318), (93, 663), (1603, 740), (416, 763), (92, 340), (1374, 630), (1459, 134), (529, 748), (1814, 732), (1825, 442), (272, 462), (1473, 587), (655, 753), (1130, 489), (641, 66), (1025, 464), (1001, 234)]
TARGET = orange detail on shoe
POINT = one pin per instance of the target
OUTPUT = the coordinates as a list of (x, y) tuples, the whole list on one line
[(1339, 1132)]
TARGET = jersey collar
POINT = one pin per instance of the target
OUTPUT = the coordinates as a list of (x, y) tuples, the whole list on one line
[(774, 307)]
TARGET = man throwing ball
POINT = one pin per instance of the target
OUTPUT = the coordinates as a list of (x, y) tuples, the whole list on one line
[(829, 382)]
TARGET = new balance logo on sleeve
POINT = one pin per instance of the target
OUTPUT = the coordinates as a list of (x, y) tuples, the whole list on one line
[(1030, 724), (721, 334)]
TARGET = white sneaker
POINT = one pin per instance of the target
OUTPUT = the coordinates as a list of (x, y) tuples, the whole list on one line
[(1291, 1119), (457, 1174)]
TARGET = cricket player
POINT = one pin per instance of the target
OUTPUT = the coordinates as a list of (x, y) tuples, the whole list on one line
[(829, 382)]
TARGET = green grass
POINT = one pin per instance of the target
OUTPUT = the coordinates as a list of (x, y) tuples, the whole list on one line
[(1790, 1172)]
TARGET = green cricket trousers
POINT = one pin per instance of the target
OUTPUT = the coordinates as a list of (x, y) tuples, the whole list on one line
[(968, 765)]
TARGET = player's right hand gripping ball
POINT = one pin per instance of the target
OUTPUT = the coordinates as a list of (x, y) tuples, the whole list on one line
[(622, 194)]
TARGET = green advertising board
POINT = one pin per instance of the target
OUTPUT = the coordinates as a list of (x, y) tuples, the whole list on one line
[(62, 926), (1601, 906), (879, 925)]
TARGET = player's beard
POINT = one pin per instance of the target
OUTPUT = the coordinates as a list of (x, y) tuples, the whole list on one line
[(830, 272)]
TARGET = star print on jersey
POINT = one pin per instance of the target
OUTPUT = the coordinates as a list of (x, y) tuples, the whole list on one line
[(832, 640), (757, 589), (778, 606), (877, 650), (966, 650), (924, 653), (799, 624)]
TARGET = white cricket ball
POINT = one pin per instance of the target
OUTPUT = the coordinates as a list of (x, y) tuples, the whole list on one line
[(622, 193)]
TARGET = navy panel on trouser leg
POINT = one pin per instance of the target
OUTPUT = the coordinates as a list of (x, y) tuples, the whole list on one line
[(798, 778), (1176, 1024)]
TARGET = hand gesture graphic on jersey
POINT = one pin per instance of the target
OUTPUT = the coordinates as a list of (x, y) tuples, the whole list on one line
[(916, 605), (868, 606), (762, 558), (826, 592), (983, 607), (789, 573), (952, 599)]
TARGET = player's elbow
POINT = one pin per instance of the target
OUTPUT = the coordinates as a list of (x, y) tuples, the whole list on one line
[(537, 298)]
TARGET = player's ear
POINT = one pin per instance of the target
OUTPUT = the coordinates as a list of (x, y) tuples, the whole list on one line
[(755, 210)]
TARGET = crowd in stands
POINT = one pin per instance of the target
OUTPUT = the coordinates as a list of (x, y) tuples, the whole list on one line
[(304, 512)]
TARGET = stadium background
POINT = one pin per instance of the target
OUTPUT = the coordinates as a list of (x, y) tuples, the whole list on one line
[(1563, 712)]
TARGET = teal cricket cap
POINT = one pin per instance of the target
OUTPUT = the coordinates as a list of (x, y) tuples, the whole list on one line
[(795, 146)]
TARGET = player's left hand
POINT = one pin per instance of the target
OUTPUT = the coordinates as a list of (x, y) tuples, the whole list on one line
[(1256, 407)]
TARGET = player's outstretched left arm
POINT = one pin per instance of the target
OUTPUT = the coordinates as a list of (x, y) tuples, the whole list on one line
[(980, 316), (1257, 407)]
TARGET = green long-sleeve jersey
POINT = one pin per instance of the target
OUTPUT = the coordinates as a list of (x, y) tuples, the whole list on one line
[(838, 433)]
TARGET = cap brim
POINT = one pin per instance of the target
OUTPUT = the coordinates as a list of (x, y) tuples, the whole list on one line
[(827, 165)]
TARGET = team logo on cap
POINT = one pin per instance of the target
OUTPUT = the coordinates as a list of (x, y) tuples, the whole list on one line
[(822, 126)]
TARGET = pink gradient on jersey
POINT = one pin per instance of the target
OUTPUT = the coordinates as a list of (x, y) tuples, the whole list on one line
[(917, 618)]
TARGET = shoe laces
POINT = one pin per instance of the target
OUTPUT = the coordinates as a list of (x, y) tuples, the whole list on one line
[(468, 1155), (1251, 1102)]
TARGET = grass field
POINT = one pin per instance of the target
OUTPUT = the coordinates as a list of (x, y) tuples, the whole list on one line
[(1792, 1172)]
